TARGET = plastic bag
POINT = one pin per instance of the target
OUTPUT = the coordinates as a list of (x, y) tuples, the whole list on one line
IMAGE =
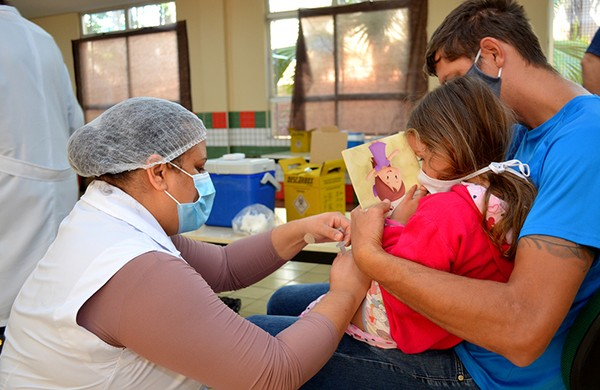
[(253, 219)]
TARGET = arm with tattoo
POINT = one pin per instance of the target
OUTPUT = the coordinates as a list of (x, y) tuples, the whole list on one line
[(516, 319)]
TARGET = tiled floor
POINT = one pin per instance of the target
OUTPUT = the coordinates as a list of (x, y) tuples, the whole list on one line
[(254, 298)]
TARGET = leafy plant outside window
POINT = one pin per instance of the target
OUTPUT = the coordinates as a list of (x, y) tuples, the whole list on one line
[(574, 26)]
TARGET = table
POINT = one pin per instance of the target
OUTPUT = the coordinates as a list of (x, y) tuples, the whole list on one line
[(286, 154), (312, 253)]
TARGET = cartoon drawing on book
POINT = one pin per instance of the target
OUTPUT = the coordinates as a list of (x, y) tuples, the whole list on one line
[(388, 178), (381, 169)]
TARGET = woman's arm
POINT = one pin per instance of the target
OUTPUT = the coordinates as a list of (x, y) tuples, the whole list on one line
[(516, 319), (161, 308), (237, 265), (250, 259)]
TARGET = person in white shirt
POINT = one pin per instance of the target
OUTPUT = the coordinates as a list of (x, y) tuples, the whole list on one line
[(122, 300), (38, 113)]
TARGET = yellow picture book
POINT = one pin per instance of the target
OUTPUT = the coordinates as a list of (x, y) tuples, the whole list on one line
[(382, 169)]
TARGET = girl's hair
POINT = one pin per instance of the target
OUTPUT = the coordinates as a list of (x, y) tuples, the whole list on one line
[(463, 122)]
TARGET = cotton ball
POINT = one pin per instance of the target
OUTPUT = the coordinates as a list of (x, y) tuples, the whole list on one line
[(256, 218), (254, 223)]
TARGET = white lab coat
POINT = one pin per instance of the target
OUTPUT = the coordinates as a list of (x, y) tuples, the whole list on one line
[(38, 113), (45, 347)]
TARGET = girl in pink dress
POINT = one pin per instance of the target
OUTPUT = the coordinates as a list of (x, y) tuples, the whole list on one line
[(462, 218), (475, 205)]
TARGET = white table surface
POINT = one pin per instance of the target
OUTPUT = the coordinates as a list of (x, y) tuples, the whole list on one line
[(225, 235)]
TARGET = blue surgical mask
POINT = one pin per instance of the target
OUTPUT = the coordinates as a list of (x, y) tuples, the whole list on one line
[(193, 215), (493, 82)]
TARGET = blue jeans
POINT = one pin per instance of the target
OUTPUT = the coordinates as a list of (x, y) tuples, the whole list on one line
[(357, 365)]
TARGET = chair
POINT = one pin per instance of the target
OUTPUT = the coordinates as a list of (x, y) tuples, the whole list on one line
[(581, 352)]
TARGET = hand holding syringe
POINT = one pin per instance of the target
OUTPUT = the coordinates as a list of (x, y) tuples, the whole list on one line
[(310, 239)]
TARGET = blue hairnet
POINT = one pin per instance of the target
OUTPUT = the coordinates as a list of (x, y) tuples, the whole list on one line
[(124, 136)]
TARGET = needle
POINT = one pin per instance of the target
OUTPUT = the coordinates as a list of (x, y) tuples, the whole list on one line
[(342, 244), (310, 239), (342, 247)]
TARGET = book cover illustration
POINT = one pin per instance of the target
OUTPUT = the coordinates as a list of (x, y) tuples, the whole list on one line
[(382, 169)]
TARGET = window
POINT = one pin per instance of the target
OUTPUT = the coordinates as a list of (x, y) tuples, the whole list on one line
[(146, 62), (361, 65), (282, 21), (130, 18), (574, 26)]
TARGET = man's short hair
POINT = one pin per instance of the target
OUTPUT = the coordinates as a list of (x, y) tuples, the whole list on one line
[(462, 30)]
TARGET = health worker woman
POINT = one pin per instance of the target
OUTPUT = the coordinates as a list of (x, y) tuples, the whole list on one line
[(122, 301)]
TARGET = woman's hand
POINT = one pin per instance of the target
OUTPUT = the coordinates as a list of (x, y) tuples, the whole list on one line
[(347, 289), (346, 276), (289, 238), (407, 207), (326, 227)]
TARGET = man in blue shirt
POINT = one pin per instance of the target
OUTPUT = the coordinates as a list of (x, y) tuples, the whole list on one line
[(590, 65), (514, 332)]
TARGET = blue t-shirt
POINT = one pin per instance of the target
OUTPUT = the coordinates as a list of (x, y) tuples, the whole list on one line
[(563, 155), (594, 46)]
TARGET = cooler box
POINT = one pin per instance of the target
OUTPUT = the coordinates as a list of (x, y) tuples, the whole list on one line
[(355, 139), (313, 188), (240, 182)]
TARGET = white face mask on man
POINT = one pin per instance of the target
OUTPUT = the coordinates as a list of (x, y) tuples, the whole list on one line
[(436, 185)]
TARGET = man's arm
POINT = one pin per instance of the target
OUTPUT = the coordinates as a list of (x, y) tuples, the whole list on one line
[(516, 319), (590, 72)]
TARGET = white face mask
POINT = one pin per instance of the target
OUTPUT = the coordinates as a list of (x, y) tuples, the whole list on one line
[(435, 185)]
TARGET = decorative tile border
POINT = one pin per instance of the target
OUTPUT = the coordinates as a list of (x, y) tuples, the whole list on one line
[(241, 132), (235, 119)]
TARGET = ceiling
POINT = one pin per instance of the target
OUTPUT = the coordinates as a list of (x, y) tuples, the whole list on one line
[(31, 9)]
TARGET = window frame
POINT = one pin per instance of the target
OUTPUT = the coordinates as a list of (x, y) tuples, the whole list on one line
[(185, 96), (565, 55), (337, 7), (273, 97), (127, 21)]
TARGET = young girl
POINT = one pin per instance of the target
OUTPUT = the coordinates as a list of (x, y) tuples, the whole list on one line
[(477, 204)]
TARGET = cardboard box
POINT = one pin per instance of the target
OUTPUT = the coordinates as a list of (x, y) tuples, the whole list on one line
[(327, 143), (311, 188), (240, 182), (300, 140)]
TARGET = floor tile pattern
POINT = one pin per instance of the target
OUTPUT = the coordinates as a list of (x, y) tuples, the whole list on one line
[(254, 298)]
